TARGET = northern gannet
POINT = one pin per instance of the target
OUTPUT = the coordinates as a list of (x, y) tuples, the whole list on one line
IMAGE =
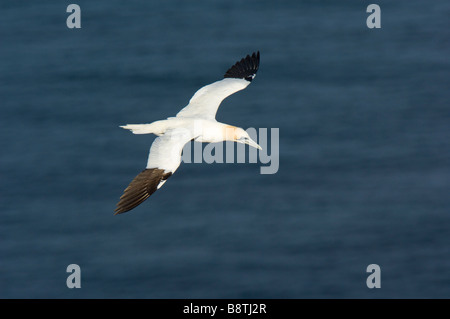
[(196, 121)]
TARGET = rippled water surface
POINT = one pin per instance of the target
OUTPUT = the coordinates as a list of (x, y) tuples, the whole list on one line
[(364, 151)]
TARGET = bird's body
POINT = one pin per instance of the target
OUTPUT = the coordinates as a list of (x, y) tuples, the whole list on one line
[(195, 122)]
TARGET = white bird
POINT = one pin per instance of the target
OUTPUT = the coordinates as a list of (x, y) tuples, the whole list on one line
[(196, 121)]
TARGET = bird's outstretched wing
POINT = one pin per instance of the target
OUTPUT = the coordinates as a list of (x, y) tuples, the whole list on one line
[(206, 101), (163, 160)]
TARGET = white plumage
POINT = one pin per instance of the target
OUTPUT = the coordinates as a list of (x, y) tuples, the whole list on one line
[(196, 122), (206, 101)]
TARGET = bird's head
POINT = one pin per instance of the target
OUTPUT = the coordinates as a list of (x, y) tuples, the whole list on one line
[(241, 136)]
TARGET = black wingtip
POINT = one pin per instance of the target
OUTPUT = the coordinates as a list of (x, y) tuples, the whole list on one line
[(245, 69), (142, 186)]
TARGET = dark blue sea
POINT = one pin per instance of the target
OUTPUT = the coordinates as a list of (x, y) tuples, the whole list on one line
[(364, 150)]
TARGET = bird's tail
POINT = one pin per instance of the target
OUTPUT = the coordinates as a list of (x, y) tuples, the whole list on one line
[(157, 128), (138, 128)]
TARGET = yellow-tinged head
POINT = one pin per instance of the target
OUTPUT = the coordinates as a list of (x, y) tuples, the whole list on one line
[(239, 135)]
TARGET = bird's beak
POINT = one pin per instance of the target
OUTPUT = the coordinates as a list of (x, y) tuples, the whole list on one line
[(252, 143)]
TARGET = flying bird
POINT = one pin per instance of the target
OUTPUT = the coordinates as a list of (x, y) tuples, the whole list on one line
[(196, 121)]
